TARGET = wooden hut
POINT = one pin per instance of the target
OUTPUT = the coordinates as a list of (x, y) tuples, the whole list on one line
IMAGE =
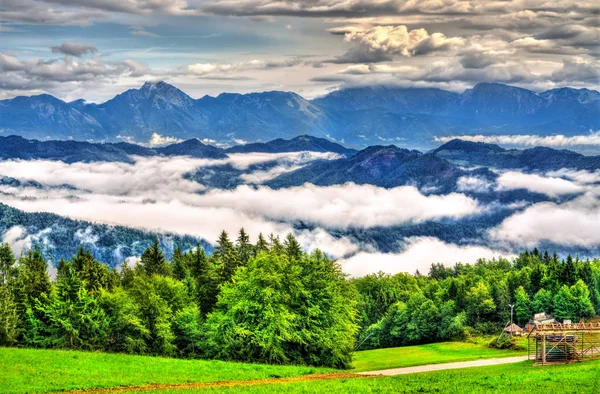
[(513, 330)]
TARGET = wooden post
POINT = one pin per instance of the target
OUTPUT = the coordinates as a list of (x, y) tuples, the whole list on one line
[(543, 348)]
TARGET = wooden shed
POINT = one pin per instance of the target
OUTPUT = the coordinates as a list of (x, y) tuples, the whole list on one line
[(513, 330)]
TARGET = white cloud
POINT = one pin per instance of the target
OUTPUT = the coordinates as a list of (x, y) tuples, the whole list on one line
[(152, 194), (473, 184), (380, 43), (161, 140), (419, 254), (575, 223), (18, 239), (531, 140), (550, 186)]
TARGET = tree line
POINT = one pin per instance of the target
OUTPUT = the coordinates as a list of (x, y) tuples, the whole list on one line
[(465, 300), (271, 302), (265, 302)]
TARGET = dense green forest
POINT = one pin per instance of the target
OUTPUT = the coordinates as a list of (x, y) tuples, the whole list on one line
[(271, 302)]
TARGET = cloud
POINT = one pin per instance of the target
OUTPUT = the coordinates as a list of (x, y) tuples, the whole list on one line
[(473, 184), (144, 33), (530, 140), (381, 43), (419, 253), (574, 223), (18, 239), (162, 140), (72, 49), (552, 187), (152, 194)]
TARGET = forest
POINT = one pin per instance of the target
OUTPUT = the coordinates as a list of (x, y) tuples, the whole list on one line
[(271, 302)]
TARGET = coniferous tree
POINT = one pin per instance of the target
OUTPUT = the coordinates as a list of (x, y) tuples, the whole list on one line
[(261, 245), (179, 264), (292, 247), (569, 272), (9, 317), (244, 248), (276, 246), (32, 276), (93, 273), (205, 280), (225, 257), (7, 262), (153, 260), (127, 274), (73, 317)]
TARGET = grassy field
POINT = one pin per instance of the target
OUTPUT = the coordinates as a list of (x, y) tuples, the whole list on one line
[(435, 353), (509, 378), (33, 370)]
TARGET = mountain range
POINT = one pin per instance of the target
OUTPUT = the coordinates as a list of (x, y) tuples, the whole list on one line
[(15, 147), (355, 116)]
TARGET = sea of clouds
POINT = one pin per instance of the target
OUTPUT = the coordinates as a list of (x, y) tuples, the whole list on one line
[(154, 194)]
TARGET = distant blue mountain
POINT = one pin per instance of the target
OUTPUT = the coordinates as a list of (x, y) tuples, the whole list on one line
[(534, 159), (297, 144), (356, 116)]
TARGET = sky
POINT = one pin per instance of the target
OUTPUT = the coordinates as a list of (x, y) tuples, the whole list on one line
[(94, 49)]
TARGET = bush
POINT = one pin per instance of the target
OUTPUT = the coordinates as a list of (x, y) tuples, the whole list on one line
[(503, 342)]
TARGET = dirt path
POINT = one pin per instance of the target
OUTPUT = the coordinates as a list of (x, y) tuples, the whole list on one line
[(305, 378), (440, 367), (206, 385)]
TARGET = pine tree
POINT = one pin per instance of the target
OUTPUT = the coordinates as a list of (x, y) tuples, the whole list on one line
[(127, 274), (292, 248), (93, 273), (9, 317), (33, 277), (7, 262), (225, 257), (261, 245), (276, 246), (205, 280), (74, 318), (153, 260), (244, 248), (179, 264), (569, 272)]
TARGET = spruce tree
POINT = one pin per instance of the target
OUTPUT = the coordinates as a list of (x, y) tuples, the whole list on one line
[(262, 245), (205, 280), (225, 257), (7, 262), (153, 260), (292, 248), (179, 264), (244, 248)]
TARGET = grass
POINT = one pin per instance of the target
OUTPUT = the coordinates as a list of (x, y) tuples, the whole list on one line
[(508, 378), (434, 353), (34, 370)]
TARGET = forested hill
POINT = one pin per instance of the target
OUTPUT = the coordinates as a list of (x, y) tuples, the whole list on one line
[(58, 237), (15, 147), (297, 144), (534, 159)]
